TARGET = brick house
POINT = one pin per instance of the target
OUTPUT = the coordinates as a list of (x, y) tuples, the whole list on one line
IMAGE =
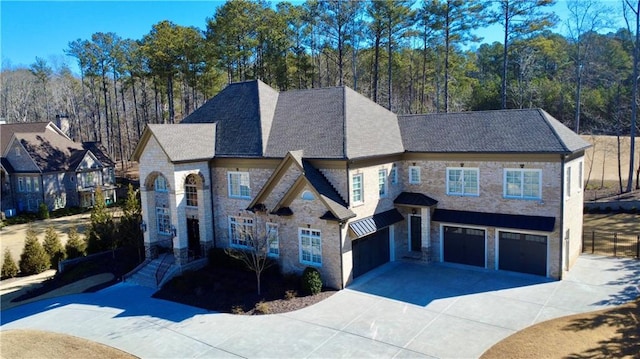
[(346, 185), (41, 164)]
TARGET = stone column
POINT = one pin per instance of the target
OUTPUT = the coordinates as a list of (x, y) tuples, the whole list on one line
[(425, 214)]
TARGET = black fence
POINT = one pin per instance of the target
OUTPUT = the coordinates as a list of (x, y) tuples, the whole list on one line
[(611, 244)]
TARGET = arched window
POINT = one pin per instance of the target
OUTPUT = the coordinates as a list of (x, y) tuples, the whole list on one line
[(191, 191), (160, 184)]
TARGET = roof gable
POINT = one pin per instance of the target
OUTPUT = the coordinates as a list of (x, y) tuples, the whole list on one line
[(186, 142)]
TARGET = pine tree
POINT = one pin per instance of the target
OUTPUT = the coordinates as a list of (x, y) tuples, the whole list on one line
[(102, 230), (33, 259), (9, 267), (75, 246), (53, 247)]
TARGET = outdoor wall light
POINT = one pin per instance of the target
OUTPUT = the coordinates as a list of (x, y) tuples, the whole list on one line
[(522, 165), (143, 226), (413, 211), (462, 165)]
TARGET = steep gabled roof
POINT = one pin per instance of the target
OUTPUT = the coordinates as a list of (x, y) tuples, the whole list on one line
[(99, 152), (50, 151), (501, 131), (237, 112), (186, 142), (334, 122), (8, 129), (310, 176)]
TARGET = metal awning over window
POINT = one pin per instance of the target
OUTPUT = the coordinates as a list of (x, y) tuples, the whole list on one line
[(516, 221), (368, 225)]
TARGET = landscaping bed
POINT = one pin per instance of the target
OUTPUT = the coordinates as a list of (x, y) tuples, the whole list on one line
[(231, 288)]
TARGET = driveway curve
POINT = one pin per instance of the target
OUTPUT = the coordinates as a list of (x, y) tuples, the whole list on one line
[(399, 310)]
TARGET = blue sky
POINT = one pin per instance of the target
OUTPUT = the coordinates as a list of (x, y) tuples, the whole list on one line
[(44, 28)]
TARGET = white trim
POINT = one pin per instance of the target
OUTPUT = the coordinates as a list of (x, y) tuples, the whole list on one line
[(447, 224), (383, 175), (311, 236), (246, 222), (361, 189), (463, 180), (417, 169), (522, 172), (519, 231), (277, 238), (240, 179)]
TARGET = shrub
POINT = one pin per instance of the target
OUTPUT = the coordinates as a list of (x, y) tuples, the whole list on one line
[(262, 308), (290, 294), (53, 247), (237, 309), (9, 267), (311, 281), (43, 211), (218, 258), (75, 246), (33, 259)]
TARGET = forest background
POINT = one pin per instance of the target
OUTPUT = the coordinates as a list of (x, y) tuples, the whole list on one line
[(408, 56)]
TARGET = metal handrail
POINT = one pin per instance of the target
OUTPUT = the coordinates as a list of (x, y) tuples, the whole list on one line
[(163, 268)]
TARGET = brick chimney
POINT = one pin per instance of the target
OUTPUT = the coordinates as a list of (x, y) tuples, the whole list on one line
[(62, 121)]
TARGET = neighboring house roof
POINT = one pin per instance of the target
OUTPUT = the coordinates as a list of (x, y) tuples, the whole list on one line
[(185, 142), (501, 131), (48, 147), (100, 152), (8, 129), (6, 165)]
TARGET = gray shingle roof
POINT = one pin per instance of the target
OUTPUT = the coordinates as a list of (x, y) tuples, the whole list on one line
[(195, 141), (414, 199), (50, 151), (504, 131), (8, 129), (236, 112)]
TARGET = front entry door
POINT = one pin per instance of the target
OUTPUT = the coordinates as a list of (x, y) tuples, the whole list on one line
[(416, 233), (193, 230)]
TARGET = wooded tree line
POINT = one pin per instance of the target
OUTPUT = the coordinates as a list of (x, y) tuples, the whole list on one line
[(409, 56)]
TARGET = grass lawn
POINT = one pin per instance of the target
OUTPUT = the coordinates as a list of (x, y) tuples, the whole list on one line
[(609, 333), (622, 223)]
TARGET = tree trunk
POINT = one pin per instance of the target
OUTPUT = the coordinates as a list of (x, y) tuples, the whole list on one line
[(389, 65), (505, 58), (170, 98), (634, 97), (376, 66)]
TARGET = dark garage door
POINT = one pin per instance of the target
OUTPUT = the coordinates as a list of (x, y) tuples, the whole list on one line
[(526, 253), (464, 246), (370, 252)]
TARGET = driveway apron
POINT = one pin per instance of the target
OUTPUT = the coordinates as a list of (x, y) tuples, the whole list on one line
[(399, 310)]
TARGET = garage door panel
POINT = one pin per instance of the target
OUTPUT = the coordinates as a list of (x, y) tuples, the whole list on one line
[(464, 246), (370, 252), (525, 253)]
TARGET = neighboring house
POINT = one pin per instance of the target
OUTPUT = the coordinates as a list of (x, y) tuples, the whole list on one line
[(345, 185), (41, 164)]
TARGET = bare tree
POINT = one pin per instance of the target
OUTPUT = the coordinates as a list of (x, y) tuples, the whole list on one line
[(635, 9), (254, 250)]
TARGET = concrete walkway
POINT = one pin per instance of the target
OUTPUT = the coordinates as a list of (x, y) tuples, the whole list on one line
[(399, 310)]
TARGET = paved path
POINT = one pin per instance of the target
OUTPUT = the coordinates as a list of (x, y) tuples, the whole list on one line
[(399, 310)]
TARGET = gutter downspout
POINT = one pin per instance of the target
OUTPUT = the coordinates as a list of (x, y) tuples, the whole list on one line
[(340, 226), (562, 199), (213, 217)]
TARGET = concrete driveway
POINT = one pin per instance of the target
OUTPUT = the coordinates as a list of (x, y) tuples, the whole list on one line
[(399, 310)]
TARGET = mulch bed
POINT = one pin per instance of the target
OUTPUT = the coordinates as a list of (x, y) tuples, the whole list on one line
[(234, 290)]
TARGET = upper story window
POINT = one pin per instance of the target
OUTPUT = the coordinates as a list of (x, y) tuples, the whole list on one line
[(580, 175), (21, 184), (191, 191), (357, 192), (240, 231), (239, 184), (522, 183), (310, 246), (393, 175), (463, 181), (160, 184), (273, 239), (17, 151), (568, 180), (35, 184), (414, 174), (382, 183), (27, 183)]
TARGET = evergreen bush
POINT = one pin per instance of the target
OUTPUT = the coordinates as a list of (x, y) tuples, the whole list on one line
[(75, 246), (9, 267), (33, 259), (53, 247), (311, 281), (43, 211)]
